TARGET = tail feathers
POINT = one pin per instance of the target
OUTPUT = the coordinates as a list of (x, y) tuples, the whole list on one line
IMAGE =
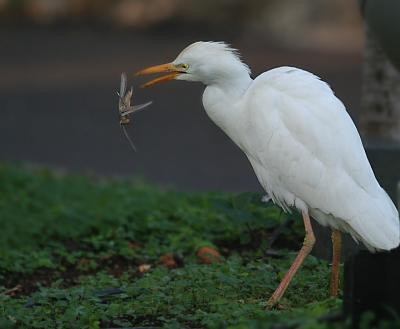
[(378, 226)]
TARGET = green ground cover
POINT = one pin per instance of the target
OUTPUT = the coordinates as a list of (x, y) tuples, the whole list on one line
[(72, 251)]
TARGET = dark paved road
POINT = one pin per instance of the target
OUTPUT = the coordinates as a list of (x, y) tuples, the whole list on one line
[(58, 103)]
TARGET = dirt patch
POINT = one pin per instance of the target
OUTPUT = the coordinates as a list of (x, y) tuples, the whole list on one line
[(20, 284)]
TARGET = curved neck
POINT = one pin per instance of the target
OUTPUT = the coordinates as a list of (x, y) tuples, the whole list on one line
[(226, 89), (221, 100), (232, 80), (234, 87)]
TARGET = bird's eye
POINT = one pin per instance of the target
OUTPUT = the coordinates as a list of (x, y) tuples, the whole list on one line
[(185, 66)]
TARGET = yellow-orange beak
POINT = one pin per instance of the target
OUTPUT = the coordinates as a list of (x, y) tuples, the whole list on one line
[(163, 68)]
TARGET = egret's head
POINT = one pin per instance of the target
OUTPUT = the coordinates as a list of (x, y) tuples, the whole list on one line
[(207, 62)]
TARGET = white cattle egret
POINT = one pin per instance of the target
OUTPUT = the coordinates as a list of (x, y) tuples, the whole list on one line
[(301, 142)]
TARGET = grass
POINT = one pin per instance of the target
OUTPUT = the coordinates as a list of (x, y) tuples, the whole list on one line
[(72, 251)]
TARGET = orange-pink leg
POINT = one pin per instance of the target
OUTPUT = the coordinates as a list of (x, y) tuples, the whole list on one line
[(336, 251), (308, 244)]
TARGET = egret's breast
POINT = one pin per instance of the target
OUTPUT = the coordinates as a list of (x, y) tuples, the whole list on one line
[(226, 113)]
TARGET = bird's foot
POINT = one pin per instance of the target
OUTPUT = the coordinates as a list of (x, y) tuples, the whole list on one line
[(274, 305)]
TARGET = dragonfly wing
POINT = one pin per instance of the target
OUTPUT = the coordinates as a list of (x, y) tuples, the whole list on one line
[(123, 85), (137, 108), (127, 98)]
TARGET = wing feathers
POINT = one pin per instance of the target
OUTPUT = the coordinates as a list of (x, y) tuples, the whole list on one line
[(304, 146)]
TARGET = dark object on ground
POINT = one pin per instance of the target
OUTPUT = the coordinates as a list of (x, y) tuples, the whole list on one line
[(382, 17), (371, 283), (109, 292)]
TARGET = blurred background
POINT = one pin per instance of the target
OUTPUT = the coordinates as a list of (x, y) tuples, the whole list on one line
[(61, 60)]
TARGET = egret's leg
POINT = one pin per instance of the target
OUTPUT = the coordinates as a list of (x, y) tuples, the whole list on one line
[(308, 244), (336, 250)]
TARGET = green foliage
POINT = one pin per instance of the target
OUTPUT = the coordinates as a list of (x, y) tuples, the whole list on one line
[(67, 240)]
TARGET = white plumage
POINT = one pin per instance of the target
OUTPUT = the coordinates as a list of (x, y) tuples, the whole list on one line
[(302, 144), (307, 153)]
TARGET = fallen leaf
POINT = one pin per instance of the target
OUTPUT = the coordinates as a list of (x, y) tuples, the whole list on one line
[(168, 260), (208, 255), (83, 262), (134, 245), (13, 291)]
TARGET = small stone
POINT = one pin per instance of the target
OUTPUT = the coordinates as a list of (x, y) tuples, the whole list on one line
[(144, 268)]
